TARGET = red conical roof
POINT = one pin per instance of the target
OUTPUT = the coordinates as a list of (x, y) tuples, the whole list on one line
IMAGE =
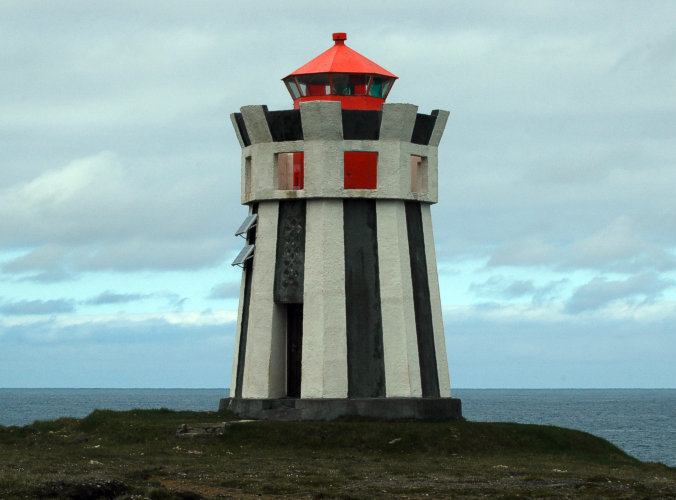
[(341, 59)]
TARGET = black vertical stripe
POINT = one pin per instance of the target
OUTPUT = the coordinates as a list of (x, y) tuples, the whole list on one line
[(285, 125), (239, 120), (361, 124), (290, 253), (241, 354), (294, 349), (365, 363), (429, 377), (423, 128)]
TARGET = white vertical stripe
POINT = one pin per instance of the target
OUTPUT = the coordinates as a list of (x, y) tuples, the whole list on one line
[(324, 355), (400, 344), (435, 301), (266, 319)]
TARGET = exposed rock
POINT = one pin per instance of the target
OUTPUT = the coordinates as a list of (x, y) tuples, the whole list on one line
[(202, 430)]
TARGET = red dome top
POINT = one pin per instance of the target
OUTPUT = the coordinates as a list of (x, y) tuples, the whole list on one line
[(341, 74), (341, 59)]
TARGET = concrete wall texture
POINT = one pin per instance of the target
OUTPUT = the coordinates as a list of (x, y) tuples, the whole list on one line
[(371, 312)]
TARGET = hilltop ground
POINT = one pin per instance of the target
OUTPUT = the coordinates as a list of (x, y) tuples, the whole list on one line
[(136, 455)]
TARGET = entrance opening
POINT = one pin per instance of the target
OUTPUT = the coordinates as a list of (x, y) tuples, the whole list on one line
[(294, 348)]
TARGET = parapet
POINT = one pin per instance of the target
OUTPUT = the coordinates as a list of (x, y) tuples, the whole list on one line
[(323, 151)]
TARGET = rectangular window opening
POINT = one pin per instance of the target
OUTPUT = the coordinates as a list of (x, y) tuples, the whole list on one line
[(361, 170), (247, 175), (290, 171), (418, 174)]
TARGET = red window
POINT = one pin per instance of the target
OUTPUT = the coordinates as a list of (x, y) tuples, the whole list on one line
[(298, 170), (290, 170), (361, 170)]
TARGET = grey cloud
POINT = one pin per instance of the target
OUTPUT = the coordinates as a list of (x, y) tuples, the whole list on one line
[(123, 255), (562, 122), (97, 199), (508, 288), (175, 300), (580, 351), (37, 307), (620, 246), (496, 285), (56, 275), (225, 291), (116, 354), (110, 297), (529, 252), (117, 331), (96, 214), (600, 291)]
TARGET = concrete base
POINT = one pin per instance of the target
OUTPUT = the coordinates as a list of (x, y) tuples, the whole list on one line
[(331, 409)]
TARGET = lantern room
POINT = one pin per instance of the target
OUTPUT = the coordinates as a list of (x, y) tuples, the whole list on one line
[(341, 74)]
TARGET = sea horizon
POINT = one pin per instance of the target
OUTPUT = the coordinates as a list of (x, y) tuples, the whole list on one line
[(452, 389)]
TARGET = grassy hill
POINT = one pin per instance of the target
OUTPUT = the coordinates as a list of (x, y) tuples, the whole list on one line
[(136, 454)]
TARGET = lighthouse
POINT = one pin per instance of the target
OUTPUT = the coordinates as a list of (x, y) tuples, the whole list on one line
[(339, 311)]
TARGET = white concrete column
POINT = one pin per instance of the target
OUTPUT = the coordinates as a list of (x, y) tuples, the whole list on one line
[(435, 301), (398, 122), (256, 123), (237, 132), (439, 126), (324, 356), (264, 371), (323, 145), (400, 344)]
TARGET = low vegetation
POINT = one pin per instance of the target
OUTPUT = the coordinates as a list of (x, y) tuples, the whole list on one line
[(136, 455)]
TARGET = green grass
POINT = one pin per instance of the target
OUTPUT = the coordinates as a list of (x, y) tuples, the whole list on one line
[(135, 454)]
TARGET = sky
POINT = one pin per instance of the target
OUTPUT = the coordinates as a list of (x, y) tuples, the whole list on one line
[(555, 229)]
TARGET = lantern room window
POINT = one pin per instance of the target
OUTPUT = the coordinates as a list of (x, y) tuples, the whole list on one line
[(292, 87), (380, 87), (341, 84), (314, 85), (344, 84)]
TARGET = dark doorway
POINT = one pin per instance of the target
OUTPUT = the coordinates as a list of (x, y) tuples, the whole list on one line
[(294, 348)]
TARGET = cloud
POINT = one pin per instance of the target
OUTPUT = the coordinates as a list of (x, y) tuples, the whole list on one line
[(225, 290), (184, 351), (37, 307), (110, 297), (118, 157), (510, 289), (497, 285), (600, 292), (100, 199), (96, 214), (619, 246), (526, 347)]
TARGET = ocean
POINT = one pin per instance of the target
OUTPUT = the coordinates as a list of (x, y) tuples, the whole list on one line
[(640, 421)]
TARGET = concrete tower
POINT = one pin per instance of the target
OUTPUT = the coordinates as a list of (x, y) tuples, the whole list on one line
[(339, 310)]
